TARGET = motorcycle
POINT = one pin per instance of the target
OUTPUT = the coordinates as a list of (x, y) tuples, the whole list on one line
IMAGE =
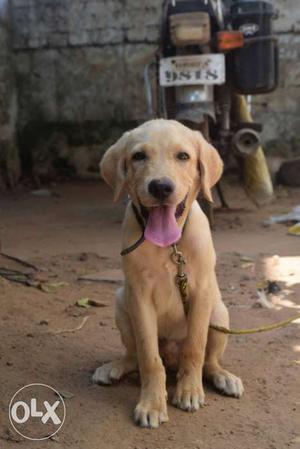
[(212, 57)]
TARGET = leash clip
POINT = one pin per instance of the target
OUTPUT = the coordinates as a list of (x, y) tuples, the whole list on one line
[(181, 279), (177, 256)]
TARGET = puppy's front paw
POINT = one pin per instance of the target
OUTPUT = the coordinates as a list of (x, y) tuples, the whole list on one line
[(189, 394), (151, 412)]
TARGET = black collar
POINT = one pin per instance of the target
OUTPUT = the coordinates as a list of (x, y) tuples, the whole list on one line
[(140, 221)]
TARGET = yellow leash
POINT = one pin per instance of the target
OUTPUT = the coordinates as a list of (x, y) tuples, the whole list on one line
[(182, 283), (255, 330)]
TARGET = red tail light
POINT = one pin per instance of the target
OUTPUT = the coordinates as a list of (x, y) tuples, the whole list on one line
[(229, 40)]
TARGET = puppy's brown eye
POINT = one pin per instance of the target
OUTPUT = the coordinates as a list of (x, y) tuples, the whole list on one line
[(182, 156), (139, 156)]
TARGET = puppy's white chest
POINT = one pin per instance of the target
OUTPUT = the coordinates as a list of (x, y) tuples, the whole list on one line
[(169, 307)]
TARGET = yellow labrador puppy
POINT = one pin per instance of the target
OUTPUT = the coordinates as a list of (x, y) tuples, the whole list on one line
[(163, 165)]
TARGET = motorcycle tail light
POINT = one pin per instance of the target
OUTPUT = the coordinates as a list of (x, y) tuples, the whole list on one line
[(229, 40), (189, 29)]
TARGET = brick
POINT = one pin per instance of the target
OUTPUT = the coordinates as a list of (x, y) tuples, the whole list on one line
[(58, 40)]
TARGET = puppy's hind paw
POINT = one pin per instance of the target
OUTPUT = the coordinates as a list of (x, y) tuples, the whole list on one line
[(113, 371), (107, 374), (228, 383)]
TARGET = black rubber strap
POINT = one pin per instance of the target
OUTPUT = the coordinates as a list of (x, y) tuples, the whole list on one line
[(138, 217), (140, 221), (131, 248)]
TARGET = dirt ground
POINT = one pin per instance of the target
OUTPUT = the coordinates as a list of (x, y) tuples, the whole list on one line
[(76, 232)]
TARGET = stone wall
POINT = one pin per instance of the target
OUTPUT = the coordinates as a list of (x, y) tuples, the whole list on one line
[(82, 61), (9, 160)]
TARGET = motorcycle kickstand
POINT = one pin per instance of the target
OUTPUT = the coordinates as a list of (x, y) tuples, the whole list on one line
[(224, 204)]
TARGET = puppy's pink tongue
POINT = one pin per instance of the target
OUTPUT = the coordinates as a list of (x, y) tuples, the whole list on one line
[(162, 228)]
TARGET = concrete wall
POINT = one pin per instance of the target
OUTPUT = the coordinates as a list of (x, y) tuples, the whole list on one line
[(81, 61), (9, 160), (280, 110)]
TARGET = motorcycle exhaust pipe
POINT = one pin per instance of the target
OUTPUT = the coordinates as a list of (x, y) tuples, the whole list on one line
[(246, 142)]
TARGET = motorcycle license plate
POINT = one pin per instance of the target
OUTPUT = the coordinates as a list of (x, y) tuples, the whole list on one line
[(192, 69)]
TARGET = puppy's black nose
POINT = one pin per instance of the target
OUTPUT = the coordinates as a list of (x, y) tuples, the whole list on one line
[(161, 188)]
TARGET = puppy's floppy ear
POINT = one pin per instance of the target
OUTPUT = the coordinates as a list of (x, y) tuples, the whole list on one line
[(113, 166), (210, 165)]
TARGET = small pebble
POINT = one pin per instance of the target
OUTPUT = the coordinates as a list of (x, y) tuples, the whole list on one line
[(44, 323)]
